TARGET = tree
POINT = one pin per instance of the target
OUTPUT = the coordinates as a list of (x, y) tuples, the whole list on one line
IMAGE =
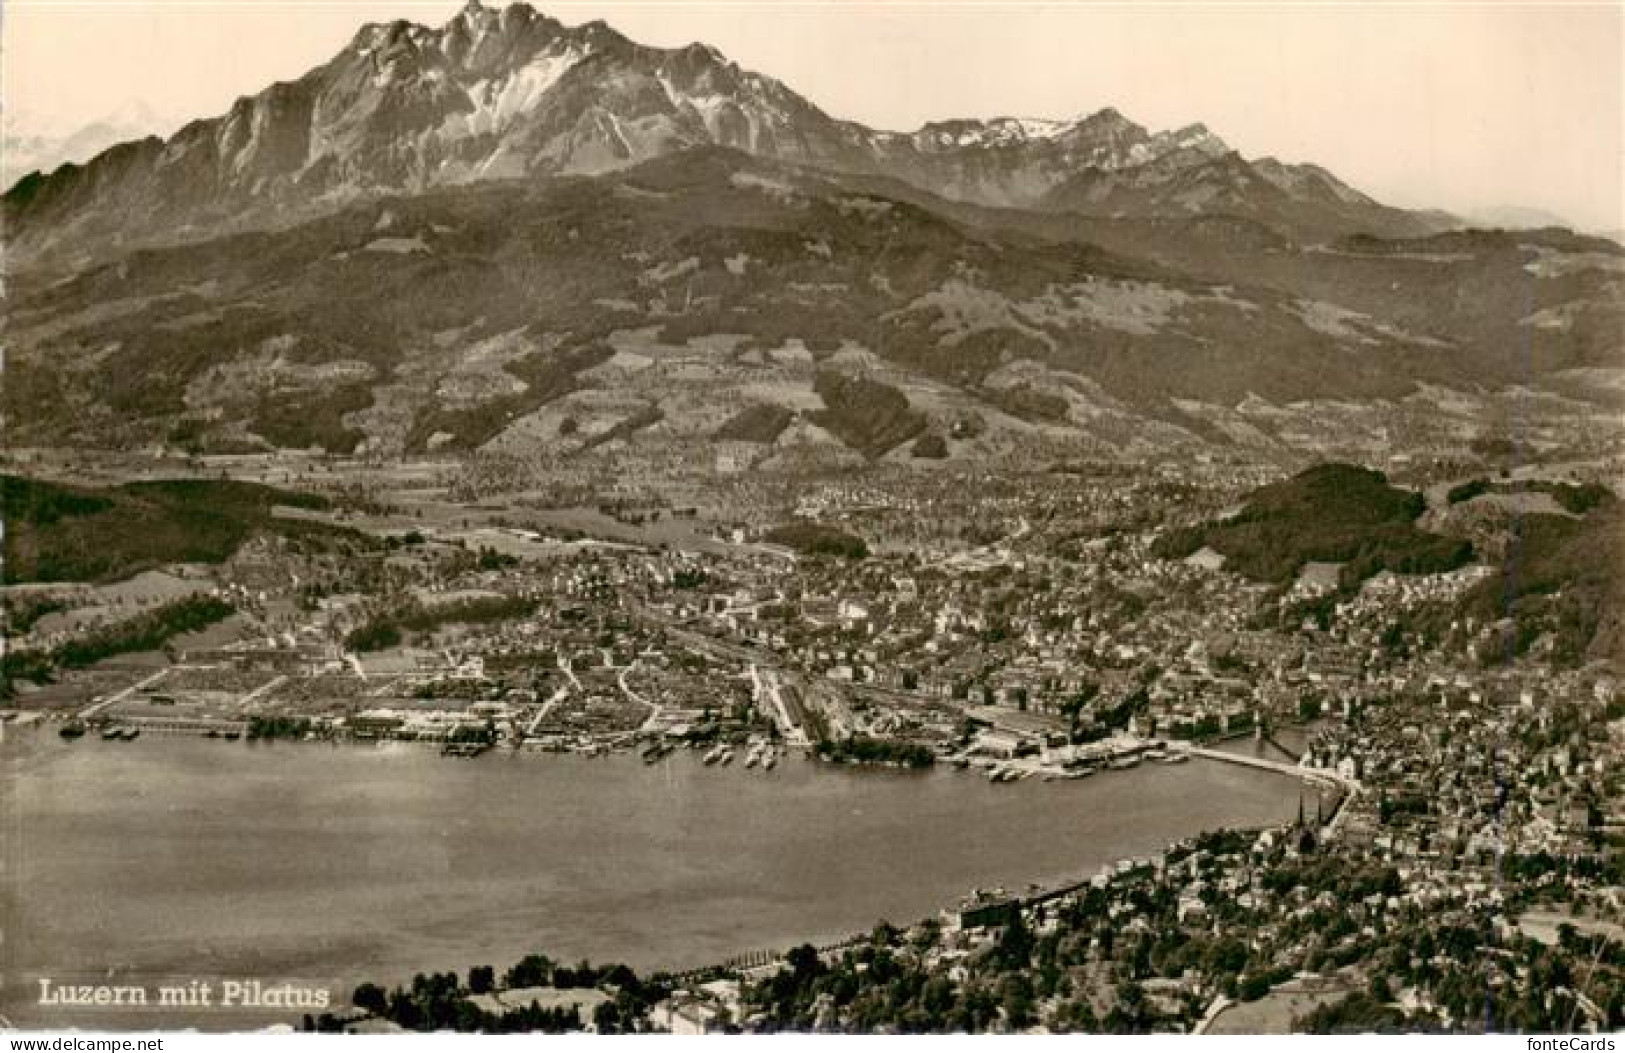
[(1015, 943), (481, 979), (937, 997), (1130, 1006), (1077, 1016), (804, 962), (533, 970), (372, 998), (1017, 1000), (926, 934)]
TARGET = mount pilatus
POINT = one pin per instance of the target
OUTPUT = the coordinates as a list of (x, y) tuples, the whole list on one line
[(511, 93), (511, 237)]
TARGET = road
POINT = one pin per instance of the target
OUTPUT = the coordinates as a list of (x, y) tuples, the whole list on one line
[(263, 690), (112, 700), (544, 709), (1219, 1004), (571, 673), (626, 689)]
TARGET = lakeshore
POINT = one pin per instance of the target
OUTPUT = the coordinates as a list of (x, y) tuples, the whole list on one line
[(180, 856)]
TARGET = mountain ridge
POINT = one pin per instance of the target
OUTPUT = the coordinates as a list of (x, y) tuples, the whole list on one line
[(512, 92)]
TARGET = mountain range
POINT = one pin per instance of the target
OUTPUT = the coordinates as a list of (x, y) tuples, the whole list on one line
[(510, 235)]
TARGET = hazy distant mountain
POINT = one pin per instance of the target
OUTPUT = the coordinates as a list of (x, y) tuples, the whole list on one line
[(512, 93), (1516, 217), (31, 147)]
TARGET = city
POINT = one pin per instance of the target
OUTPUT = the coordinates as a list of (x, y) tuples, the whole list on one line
[(1477, 792)]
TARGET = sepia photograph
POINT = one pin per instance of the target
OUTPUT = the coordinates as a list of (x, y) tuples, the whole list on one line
[(812, 517)]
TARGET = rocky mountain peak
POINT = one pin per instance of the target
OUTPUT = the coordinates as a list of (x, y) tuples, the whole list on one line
[(504, 93)]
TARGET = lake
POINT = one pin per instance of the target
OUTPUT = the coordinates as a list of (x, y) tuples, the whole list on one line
[(186, 857)]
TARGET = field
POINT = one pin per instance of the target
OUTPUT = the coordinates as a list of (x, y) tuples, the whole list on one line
[(1273, 1014)]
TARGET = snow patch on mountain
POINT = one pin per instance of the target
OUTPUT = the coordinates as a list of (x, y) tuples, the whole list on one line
[(499, 102)]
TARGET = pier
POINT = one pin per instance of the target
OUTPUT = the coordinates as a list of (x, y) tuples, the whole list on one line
[(1350, 788), (1313, 775)]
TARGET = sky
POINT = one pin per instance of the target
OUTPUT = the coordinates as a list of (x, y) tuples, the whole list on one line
[(1456, 105)]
